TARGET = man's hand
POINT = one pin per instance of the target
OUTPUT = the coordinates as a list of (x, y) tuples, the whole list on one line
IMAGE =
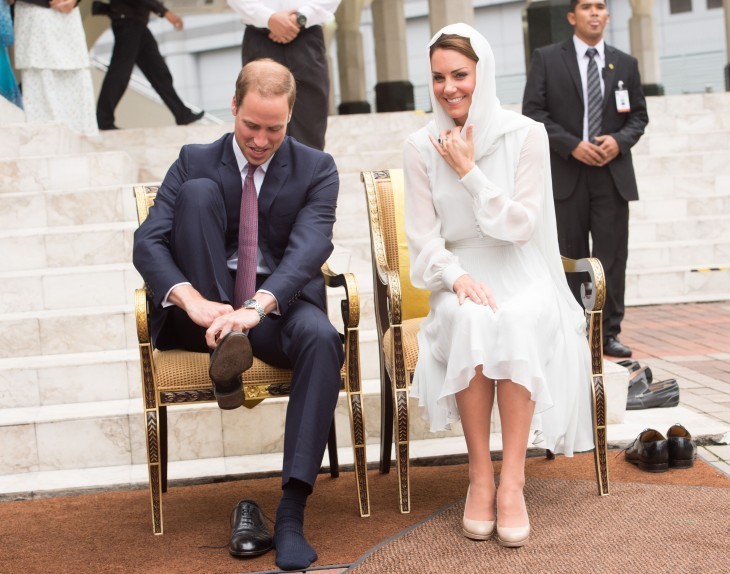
[(283, 27), (239, 320), (64, 6), (466, 287), (174, 19), (590, 154), (609, 147), (201, 311)]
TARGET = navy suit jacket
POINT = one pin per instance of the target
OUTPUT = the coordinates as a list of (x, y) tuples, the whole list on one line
[(554, 96), (297, 203)]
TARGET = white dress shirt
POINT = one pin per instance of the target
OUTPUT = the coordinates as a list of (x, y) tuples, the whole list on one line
[(257, 12), (580, 52)]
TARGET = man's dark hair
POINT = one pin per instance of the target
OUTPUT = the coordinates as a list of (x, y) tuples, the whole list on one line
[(574, 3)]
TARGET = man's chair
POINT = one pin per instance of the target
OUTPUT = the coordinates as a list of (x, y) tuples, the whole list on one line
[(176, 377), (400, 308)]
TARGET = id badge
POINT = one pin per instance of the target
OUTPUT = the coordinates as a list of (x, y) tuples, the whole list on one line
[(622, 99)]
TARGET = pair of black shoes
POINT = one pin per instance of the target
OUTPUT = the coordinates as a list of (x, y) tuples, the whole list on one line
[(249, 534), (653, 452), (191, 117), (645, 393), (229, 360)]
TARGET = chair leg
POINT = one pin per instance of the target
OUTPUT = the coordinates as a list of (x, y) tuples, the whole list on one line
[(386, 420), (332, 450), (162, 414), (154, 467), (357, 422), (600, 440)]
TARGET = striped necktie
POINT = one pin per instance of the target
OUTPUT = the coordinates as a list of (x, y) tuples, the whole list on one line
[(595, 99), (248, 231)]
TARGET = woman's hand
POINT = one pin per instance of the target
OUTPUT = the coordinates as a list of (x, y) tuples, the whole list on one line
[(466, 287), (457, 148)]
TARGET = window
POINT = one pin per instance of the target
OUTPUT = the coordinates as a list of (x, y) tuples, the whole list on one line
[(714, 4), (679, 6)]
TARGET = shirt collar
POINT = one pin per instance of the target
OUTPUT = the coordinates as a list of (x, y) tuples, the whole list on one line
[(243, 163), (581, 47)]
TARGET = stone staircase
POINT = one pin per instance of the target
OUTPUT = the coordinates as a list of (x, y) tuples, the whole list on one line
[(69, 374)]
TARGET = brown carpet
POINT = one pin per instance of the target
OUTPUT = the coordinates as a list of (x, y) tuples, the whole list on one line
[(111, 532), (639, 528)]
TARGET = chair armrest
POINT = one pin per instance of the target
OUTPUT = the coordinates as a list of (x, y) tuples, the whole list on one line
[(593, 292), (141, 315), (350, 305)]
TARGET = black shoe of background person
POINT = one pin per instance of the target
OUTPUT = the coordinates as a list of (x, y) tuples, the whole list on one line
[(249, 534), (615, 348), (682, 448), (192, 117), (231, 357), (649, 451), (107, 128), (661, 394)]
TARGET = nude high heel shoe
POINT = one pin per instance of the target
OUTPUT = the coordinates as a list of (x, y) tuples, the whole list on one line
[(477, 529), (513, 536)]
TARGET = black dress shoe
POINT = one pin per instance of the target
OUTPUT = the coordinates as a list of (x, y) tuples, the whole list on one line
[(649, 451), (231, 357), (682, 448), (615, 348), (249, 534), (661, 394), (193, 117)]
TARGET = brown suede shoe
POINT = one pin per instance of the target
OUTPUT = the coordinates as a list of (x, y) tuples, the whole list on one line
[(231, 357)]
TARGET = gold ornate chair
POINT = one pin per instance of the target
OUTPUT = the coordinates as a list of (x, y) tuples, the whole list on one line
[(400, 308), (176, 377)]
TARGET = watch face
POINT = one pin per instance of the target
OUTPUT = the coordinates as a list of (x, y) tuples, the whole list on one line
[(301, 20)]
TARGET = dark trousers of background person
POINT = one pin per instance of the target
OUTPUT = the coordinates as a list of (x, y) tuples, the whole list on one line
[(135, 44), (597, 208), (303, 340), (305, 57)]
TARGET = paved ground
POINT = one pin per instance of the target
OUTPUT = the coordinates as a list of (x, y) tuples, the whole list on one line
[(691, 343)]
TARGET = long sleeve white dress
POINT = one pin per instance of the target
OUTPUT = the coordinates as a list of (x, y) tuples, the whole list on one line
[(498, 225)]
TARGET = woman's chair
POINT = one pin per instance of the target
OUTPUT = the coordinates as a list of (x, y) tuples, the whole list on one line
[(400, 308), (176, 377)]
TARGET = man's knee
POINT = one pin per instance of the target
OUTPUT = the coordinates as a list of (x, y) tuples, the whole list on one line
[(200, 195), (314, 331)]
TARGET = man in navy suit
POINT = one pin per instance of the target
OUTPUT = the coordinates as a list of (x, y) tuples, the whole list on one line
[(187, 252), (593, 181)]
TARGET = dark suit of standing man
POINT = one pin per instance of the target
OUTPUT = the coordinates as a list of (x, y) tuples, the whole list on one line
[(290, 32), (187, 253), (135, 44), (592, 181)]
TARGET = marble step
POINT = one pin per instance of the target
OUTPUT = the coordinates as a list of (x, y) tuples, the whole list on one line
[(36, 209), (29, 382), (62, 246), (676, 284), (683, 164), (68, 287), (714, 227), (53, 138), (656, 142), (66, 172), (10, 114), (679, 207), (686, 252), (694, 185), (62, 331)]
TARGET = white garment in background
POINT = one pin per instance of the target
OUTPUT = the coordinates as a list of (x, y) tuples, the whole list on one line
[(498, 225), (51, 53)]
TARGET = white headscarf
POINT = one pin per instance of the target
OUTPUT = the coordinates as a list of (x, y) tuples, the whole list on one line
[(490, 121)]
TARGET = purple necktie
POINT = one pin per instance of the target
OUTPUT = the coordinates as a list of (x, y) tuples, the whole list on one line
[(248, 231)]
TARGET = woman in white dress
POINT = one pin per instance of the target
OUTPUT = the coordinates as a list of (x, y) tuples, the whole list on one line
[(481, 232), (53, 59)]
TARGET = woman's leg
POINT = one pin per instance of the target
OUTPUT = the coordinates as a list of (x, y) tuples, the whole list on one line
[(515, 411), (475, 409)]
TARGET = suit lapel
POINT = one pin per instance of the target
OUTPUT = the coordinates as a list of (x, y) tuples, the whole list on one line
[(571, 62), (276, 177), (609, 75), (230, 177)]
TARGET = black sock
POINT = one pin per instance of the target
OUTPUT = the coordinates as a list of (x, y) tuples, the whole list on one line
[(293, 552)]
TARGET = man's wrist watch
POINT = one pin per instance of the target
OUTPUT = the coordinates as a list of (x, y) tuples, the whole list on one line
[(253, 304), (301, 20)]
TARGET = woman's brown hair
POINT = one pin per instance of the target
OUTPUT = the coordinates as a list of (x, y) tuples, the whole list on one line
[(454, 42)]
